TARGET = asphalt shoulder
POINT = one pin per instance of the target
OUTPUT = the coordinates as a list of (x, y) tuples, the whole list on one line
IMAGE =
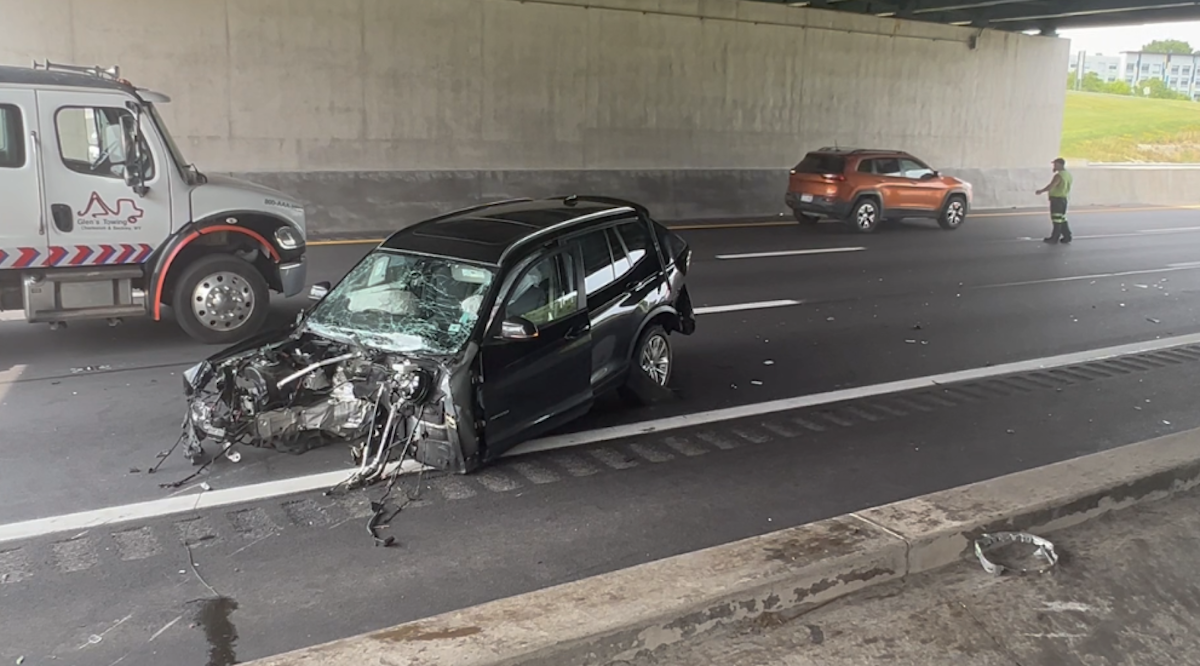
[(1125, 589)]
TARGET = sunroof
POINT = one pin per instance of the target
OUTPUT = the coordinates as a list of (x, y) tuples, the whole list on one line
[(483, 231)]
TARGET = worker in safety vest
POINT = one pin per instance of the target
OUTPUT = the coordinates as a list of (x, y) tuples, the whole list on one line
[(1059, 189)]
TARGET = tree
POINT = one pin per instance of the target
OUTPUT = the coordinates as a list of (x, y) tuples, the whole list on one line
[(1117, 88), (1173, 46), (1158, 89)]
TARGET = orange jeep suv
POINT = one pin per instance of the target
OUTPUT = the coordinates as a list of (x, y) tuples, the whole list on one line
[(865, 187)]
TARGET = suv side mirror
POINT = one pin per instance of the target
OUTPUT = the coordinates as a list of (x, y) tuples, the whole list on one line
[(518, 329), (319, 290)]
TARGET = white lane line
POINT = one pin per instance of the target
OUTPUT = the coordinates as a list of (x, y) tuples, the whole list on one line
[(738, 307), (179, 504), (1169, 230), (1125, 234), (1096, 276), (790, 253), (260, 491), (786, 404)]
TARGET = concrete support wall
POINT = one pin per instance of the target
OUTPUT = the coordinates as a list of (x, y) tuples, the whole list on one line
[(321, 92)]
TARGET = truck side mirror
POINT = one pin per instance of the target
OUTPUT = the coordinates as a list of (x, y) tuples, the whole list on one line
[(131, 148)]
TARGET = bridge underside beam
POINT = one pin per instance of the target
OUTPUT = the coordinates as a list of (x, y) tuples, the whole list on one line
[(1019, 15)]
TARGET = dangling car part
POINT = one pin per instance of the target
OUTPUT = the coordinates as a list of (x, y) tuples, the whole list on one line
[(458, 338)]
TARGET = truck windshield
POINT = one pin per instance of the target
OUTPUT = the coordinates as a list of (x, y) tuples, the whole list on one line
[(172, 147), (404, 303)]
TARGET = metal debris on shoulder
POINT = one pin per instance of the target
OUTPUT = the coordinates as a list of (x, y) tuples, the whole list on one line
[(1042, 551)]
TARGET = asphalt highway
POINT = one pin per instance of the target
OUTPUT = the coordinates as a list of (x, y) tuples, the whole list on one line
[(81, 408)]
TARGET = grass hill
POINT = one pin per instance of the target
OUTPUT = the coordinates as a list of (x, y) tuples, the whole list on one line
[(1118, 128)]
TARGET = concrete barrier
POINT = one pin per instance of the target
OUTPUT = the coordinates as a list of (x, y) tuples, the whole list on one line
[(367, 203), (621, 614)]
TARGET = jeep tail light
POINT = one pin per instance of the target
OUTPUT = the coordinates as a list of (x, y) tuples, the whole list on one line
[(834, 176)]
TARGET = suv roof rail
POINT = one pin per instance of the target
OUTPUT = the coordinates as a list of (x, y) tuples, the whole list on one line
[(112, 73), (572, 199), (545, 231)]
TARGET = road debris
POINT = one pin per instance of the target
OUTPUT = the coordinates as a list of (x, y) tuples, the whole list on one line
[(1013, 547), (768, 362), (1152, 320), (756, 382)]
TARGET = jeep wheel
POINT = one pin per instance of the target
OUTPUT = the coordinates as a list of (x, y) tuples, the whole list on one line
[(864, 217), (650, 368), (954, 214), (220, 299)]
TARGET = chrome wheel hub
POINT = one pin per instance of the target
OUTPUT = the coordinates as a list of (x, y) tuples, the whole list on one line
[(656, 359), (954, 214), (223, 301), (866, 216)]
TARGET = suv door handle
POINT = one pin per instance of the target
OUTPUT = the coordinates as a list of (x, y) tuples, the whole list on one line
[(63, 220), (577, 332)]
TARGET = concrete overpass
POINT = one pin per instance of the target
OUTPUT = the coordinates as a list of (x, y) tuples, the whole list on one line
[(384, 111)]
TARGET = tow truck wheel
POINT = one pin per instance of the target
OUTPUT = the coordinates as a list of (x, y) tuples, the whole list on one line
[(220, 299)]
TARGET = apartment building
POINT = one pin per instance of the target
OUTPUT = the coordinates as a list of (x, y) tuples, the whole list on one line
[(1178, 71), (1108, 68)]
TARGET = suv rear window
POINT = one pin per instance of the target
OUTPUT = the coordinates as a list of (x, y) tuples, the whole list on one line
[(819, 163)]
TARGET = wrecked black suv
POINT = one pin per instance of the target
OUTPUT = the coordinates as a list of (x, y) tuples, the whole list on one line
[(459, 337)]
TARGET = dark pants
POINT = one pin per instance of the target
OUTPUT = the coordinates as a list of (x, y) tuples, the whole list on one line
[(1058, 216)]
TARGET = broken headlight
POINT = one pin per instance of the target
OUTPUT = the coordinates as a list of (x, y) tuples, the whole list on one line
[(195, 377)]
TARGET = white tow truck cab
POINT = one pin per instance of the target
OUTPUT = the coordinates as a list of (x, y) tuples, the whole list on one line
[(102, 217)]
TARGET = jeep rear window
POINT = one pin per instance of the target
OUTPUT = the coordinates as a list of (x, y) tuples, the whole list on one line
[(817, 163)]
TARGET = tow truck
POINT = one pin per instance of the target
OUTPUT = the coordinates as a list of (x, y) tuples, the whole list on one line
[(103, 218)]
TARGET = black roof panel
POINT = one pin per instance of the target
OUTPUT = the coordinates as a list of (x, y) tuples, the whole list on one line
[(483, 234)]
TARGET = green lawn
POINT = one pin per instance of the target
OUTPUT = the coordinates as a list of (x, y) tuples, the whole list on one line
[(1116, 128)]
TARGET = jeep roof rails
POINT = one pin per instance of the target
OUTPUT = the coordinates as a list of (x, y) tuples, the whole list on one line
[(112, 73)]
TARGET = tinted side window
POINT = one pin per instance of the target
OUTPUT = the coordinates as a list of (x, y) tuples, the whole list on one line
[(12, 138), (866, 166), (597, 262), (546, 292), (888, 166), (637, 240), (914, 170), (621, 263)]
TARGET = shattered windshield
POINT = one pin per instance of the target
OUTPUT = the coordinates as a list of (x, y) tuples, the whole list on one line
[(404, 303)]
